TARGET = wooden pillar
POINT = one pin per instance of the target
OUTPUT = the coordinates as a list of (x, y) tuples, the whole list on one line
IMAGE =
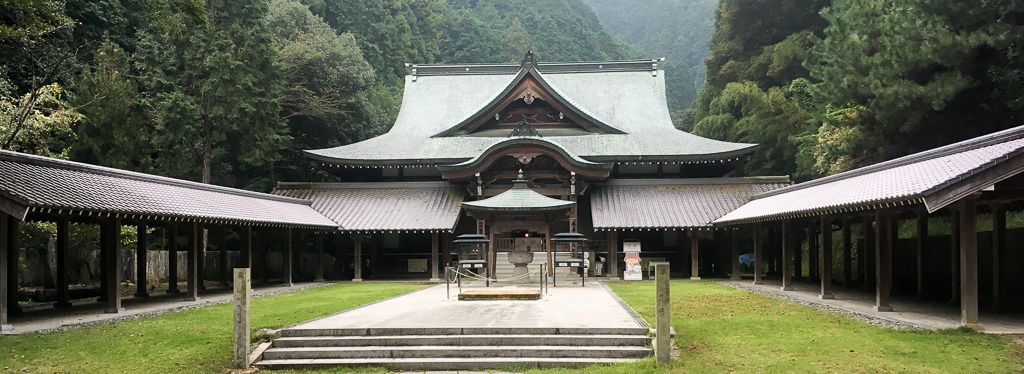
[(847, 252), (954, 256), (319, 276), (141, 256), (245, 249), (798, 256), (222, 261), (998, 243), (5, 254), (868, 253), (757, 253), (787, 255), (193, 249), (434, 277), (266, 237), (13, 229), (103, 262), (113, 265), (883, 259), (288, 256), (694, 255), (171, 240), (734, 236), (969, 263), (813, 253), (63, 295), (357, 256), (613, 255), (204, 241), (341, 252), (922, 238), (376, 242), (826, 258)]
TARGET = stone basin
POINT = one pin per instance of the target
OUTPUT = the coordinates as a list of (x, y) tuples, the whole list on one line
[(520, 260)]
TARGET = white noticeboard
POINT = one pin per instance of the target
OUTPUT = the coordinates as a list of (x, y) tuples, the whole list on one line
[(633, 271)]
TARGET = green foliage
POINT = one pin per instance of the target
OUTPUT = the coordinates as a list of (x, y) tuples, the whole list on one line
[(679, 88), (27, 19), (35, 122), (515, 43)]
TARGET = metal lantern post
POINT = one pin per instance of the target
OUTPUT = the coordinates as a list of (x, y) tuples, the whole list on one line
[(570, 242), (474, 252)]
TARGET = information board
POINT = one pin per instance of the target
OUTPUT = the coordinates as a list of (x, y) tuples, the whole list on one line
[(633, 270)]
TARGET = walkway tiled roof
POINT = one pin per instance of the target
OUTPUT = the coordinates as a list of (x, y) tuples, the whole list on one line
[(383, 206), (910, 179), (626, 96), (673, 203), (41, 184)]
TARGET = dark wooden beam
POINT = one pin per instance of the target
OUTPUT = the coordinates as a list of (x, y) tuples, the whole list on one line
[(883, 260), (922, 238), (288, 256), (867, 253), (222, 260), (998, 245), (5, 251), (826, 258), (319, 276), (194, 247), (694, 255), (357, 256), (847, 252), (245, 249), (758, 243), (954, 256), (171, 241), (969, 263)]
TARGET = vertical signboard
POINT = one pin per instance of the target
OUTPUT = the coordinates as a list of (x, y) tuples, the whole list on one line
[(633, 271)]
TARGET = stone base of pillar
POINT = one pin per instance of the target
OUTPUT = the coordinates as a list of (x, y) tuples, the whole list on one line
[(435, 279), (757, 283), (826, 297), (62, 304), (6, 328), (358, 280), (113, 311), (319, 280), (883, 308), (786, 288), (695, 278), (192, 298)]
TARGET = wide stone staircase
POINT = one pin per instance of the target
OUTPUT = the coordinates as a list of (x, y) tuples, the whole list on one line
[(455, 348)]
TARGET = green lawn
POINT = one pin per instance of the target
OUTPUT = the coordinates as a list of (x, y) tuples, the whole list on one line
[(193, 341)]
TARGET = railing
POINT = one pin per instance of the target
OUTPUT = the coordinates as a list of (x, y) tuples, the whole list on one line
[(519, 244)]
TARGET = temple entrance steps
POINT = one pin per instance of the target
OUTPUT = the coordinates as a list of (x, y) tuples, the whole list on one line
[(503, 268), (455, 348)]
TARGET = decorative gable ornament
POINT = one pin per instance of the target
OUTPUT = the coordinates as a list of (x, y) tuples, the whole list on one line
[(524, 129)]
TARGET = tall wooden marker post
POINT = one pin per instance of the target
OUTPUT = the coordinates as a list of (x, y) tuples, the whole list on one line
[(663, 315), (243, 293)]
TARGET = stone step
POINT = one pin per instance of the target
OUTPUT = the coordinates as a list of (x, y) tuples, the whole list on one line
[(440, 363), (456, 352), (396, 331), (462, 340), (499, 295)]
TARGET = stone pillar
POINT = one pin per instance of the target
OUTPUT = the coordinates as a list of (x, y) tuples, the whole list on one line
[(663, 315), (245, 249), (222, 262), (434, 277), (193, 248), (847, 252), (171, 240), (694, 255), (998, 243), (734, 236), (319, 276), (922, 237), (5, 254), (113, 265), (63, 296), (969, 263), (758, 243), (242, 296), (787, 255), (613, 255), (357, 256), (883, 259), (826, 258), (141, 283), (289, 266)]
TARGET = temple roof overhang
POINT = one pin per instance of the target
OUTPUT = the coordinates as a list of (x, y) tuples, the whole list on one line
[(518, 200), (524, 149)]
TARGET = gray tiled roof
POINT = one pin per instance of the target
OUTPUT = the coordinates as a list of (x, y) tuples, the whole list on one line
[(673, 203), (519, 198), (632, 102), (44, 184), (909, 179), (383, 206)]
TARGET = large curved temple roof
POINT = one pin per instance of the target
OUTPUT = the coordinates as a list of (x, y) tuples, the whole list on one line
[(624, 100)]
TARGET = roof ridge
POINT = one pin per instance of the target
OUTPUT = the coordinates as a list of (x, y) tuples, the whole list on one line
[(360, 185), (43, 161), (694, 181), (995, 138), (546, 67)]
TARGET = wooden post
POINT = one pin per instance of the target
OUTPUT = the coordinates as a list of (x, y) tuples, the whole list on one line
[(998, 243), (813, 253), (922, 237), (171, 241), (883, 259), (193, 248), (868, 253), (847, 252), (694, 256), (613, 255), (288, 256), (5, 254), (319, 276), (245, 249), (798, 256), (826, 258), (103, 262), (357, 256), (63, 295), (376, 243), (969, 263), (141, 283), (954, 256), (787, 255), (222, 261), (757, 253), (242, 296), (433, 258), (113, 265), (663, 315), (734, 235), (204, 241)]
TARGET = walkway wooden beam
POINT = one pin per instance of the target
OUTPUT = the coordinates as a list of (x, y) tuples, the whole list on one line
[(112, 246), (797, 255), (63, 293), (734, 236), (883, 259), (826, 258), (245, 249), (222, 260), (5, 251), (289, 265), (969, 263), (141, 283), (868, 253), (434, 257), (193, 248), (787, 255), (922, 238), (613, 255), (204, 241), (813, 253), (694, 253), (319, 273), (171, 234), (847, 252), (357, 256), (758, 243), (998, 243)]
